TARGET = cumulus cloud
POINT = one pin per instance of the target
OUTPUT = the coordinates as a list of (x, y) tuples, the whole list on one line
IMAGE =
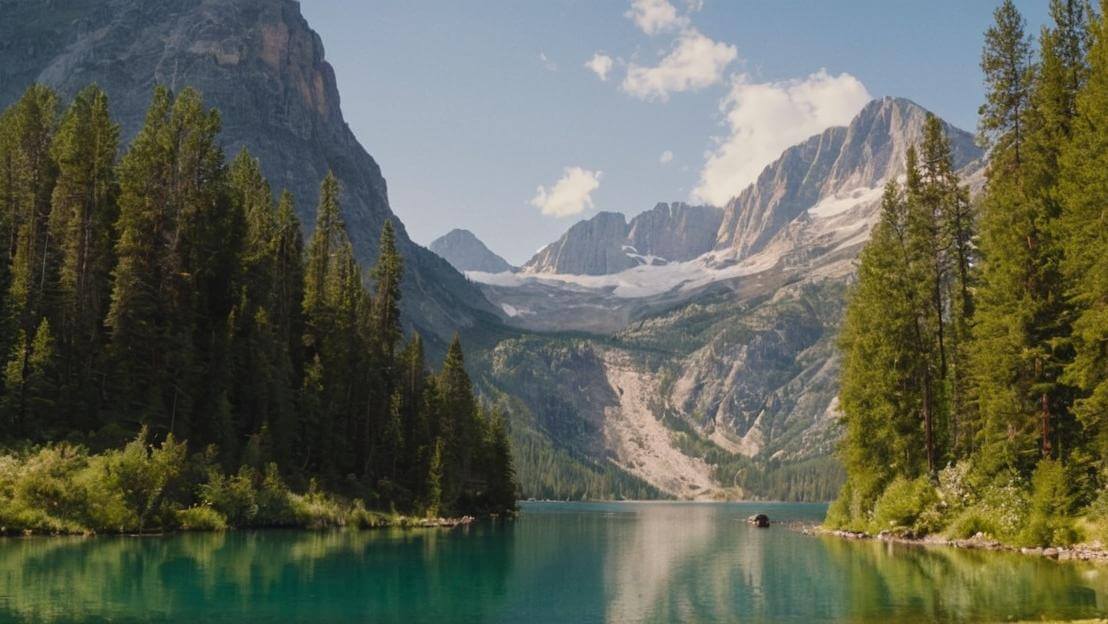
[(666, 157), (656, 16), (694, 62), (570, 195), (763, 119), (600, 64)]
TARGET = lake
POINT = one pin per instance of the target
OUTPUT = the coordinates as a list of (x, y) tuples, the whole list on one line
[(557, 562)]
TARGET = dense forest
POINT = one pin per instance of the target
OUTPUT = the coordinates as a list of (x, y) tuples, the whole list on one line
[(975, 346), (163, 296)]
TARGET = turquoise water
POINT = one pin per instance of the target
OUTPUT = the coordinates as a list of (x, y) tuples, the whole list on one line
[(558, 562)]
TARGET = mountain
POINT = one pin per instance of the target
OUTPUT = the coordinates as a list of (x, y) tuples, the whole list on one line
[(262, 66), (466, 252), (716, 376), (591, 247), (607, 243), (674, 232), (828, 173)]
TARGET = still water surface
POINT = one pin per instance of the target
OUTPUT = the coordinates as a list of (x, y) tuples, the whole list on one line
[(558, 562)]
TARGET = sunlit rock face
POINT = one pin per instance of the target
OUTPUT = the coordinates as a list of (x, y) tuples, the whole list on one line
[(822, 175), (607, 243), (263, 67)]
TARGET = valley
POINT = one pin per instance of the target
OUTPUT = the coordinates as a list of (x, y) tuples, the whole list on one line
[(726, 339)]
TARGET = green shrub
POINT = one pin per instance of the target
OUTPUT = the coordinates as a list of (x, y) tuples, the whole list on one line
[(1050, 520), (1004, 504), (316, 510), (201, 518), (275, 507), (234, 497), (838, 512), (971, 522), (906, 506), (361, 518), (142, 474)]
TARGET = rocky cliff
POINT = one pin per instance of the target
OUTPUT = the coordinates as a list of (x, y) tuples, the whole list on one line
[(674, 232), (607, 243), (465, 252), (262, 66), (830, 171)]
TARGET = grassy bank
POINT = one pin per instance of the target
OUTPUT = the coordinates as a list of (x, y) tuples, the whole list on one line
[(63, 489)]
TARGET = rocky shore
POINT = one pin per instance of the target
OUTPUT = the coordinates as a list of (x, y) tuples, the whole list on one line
[(1094, 551)]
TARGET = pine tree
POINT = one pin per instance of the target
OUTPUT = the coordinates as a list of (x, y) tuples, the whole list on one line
[(501, 470), (170, 291), (1084, 230), (458, 425), (34, 253), (433, 501), (30, 378), (329, 235), (82, 218), (880, 391), (1006, 63), (1022, 322), (387, 275)]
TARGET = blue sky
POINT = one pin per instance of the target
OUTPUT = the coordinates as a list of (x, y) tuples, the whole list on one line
[(483, 114)]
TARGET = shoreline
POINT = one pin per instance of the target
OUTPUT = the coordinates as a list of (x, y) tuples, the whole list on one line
[(1077, 552), (402, 522)]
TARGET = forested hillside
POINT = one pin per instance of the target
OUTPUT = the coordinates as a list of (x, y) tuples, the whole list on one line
[(975, 345), (165, 294)]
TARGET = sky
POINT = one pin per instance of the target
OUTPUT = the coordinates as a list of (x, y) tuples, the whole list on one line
[(515, 119)]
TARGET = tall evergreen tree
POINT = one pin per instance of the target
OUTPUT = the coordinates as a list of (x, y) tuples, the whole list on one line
[(1084, 226), (82, 218), (458, 425), (172, 249), (34, 253), (879, 391), (1022, 321), (1006, 64)]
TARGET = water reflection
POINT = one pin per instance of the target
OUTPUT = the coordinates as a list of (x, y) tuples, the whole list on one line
[(557, 563)]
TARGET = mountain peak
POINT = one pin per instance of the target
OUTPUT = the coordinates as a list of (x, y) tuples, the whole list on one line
[(465, 252), (607, 243), (831, 167)]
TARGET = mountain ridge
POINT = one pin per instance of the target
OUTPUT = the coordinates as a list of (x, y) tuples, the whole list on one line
[(608, 242)]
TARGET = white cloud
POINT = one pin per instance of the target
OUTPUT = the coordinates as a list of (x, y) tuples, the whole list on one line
[(547, 63), (570, 195), (600, 64), (694, 62), (764, 119), (666, 157), (694, 5), (656, 16)]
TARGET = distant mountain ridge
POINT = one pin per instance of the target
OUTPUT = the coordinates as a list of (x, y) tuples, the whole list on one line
[(607, 243), (734, 347), (260, 64), (465, 252)]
